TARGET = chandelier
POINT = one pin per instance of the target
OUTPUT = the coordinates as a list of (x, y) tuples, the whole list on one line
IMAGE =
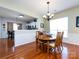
[(48, 16)]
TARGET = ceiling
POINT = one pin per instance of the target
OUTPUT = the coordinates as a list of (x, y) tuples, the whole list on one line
[(39, 6), (7, 13)]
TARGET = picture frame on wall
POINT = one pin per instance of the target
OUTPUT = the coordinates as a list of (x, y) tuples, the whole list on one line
[(42, 25), (3, 25), (77, 21)]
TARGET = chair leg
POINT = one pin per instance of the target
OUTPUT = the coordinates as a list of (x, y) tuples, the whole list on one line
[(59, 49), (42, 46), (37, 46), (62, 47), (45, 48), (55, 55)]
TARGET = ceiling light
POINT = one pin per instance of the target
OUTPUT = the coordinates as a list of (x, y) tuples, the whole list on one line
[(21, 16), (49, 15)]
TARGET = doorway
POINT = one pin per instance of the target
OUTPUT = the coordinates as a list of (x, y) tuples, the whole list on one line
[(6, 44), (10, 30)]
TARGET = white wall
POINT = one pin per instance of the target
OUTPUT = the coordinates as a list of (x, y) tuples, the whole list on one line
[(21, 9), (24, 37), (18, 8), (0, 28), (27, 36), (3, 31), (21, 36), (25, 11), (72, 39)]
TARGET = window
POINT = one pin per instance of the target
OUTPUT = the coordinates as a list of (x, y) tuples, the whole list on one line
[(15, 26), (60, 24)]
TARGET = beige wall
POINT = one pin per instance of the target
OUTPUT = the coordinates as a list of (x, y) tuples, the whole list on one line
[(46, 26), (73, 31), (71, 14)]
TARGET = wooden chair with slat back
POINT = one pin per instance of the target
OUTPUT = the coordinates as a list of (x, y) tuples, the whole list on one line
[(42, 36), (62, 40), (58, 42), (38, 36)]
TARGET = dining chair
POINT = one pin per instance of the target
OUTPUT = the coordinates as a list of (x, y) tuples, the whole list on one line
[(44, 39), (56, 46), (38, 42), (62, 39), (60, 49)]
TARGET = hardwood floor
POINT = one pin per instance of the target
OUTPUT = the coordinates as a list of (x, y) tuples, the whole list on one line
[(28, 51)]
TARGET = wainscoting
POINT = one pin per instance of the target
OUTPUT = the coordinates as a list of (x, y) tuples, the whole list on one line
[(73, 38)]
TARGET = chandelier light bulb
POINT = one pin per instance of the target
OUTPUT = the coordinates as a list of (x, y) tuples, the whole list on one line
[(21, 16), (52, 15), (44, 16), (48, 16)]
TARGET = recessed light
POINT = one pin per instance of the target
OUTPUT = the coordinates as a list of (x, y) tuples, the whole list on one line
[(21, 16)]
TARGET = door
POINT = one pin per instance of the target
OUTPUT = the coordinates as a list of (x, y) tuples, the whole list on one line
[(9, 26)]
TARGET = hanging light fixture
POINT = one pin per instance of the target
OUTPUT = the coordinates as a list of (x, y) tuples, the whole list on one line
[(48, 16)]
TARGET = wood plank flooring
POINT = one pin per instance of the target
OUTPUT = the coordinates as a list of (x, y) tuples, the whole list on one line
[(28, 51)]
